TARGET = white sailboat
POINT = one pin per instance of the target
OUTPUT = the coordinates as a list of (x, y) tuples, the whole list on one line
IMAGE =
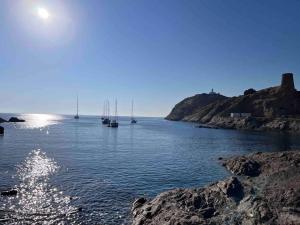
[(114, 123), (106, 119), (133, 121)]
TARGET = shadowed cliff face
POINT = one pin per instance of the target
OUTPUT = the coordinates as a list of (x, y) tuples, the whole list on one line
[(192, 105)]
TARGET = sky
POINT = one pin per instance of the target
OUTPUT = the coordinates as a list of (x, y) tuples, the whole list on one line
[(156, 52)]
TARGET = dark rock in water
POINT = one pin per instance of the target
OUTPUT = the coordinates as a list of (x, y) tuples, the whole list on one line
[(15, 120), (249, 91), (9, 193), (271, 197), (3, 120), (1, 131)]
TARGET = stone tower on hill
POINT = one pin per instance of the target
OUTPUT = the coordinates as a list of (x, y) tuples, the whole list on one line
[(287, 82)]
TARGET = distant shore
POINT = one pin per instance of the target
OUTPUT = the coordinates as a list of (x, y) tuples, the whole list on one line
[(264, 190)]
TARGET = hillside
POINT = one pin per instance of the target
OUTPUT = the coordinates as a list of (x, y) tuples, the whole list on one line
[(192, 105), (270, 108)]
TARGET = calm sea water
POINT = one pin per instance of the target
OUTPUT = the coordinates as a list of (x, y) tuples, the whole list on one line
[(81, 172)]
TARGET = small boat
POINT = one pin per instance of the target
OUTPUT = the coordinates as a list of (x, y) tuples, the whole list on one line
[(106, 121), (103, 115), (114, 123), (77, 116), (133, 120)]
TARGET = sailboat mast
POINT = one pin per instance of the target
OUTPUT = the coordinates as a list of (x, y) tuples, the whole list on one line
[(104, 107), (131, 109), (77, 106), (116, 110), (108, 113)]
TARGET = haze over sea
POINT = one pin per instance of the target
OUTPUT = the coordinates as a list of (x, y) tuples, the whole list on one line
[(80, 172)]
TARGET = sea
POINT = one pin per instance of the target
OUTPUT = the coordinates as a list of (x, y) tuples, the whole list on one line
[(69, 171)]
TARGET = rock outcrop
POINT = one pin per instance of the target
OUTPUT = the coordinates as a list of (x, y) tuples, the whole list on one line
[(266, 191), (2, 120), (276, 108), (249, 91), (15, 120)]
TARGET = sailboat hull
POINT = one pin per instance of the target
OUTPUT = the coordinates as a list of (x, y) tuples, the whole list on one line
[(114, 125), (106, 121)]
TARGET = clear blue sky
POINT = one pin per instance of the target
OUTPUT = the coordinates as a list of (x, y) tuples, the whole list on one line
[(155, 51)]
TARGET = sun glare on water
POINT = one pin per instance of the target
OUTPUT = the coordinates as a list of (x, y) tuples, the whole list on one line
[(43, 13)]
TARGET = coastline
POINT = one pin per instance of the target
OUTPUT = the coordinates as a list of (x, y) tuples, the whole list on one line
[(256, 124), (264, 189)]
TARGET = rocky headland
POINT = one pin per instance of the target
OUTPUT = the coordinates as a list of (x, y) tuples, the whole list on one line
[(192, 105), (265, 189), (12, 120), (2, 120), (275, 108)]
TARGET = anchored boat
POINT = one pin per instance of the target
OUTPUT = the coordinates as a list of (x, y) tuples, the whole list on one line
[(77, 116), (106, 120), (114, 123), (133, 120)]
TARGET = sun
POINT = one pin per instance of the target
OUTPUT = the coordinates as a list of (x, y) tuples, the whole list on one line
[(43, 13)]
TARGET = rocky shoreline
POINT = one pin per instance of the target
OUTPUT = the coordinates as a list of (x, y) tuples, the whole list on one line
[(258, 124), (265, 189)]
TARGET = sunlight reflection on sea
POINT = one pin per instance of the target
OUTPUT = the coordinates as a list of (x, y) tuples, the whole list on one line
[(37, 201), (38, 120)]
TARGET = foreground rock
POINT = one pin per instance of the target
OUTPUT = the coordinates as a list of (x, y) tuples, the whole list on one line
[(15, 120), (267, 191)]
